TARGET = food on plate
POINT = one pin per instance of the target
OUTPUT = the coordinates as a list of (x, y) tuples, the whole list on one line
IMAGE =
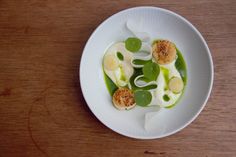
[(176, 84), (139, 73), (164, 51), (111, 62), (123, 99), (116, 64)]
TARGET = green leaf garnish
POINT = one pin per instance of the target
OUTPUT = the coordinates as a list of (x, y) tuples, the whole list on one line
[(142, 97), (120, 56), (111, 86), (151, 71), (133, 44)]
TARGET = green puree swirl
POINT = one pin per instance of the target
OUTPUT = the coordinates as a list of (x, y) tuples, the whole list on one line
[(111, 86), (179, 64)]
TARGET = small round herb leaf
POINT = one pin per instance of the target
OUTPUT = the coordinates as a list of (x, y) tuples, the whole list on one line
[(133, 44), (142, 97), (120, 56), (151, 71)]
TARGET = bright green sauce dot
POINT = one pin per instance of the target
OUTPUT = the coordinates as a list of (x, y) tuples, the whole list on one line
[(133, 44), (120, 56), (142, 97), (166, 97), (151, 71)]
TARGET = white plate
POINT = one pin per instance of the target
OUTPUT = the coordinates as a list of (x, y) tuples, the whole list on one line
[(159, 23)]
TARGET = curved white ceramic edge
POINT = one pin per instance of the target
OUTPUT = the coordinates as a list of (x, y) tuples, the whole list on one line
[(211, 79)]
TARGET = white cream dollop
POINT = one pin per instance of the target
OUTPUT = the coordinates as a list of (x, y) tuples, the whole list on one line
[(163, 89), (119, 71)]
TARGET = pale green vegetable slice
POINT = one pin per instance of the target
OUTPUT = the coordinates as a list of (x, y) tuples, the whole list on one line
[(151, 71), (176, 85)]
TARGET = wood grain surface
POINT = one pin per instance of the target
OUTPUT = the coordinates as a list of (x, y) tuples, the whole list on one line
[(42, 110)]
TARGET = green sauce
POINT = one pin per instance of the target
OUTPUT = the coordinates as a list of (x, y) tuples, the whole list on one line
[(122, 77), (141, 62), (144, 79), (181, 66), (166, 77), (137, 72), (111, 86), (166, 97)]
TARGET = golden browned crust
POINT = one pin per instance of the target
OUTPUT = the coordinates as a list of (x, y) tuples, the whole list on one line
[(164, 51), (123, 98)]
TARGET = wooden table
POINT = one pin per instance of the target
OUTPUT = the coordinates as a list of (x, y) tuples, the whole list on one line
[(42, 110)]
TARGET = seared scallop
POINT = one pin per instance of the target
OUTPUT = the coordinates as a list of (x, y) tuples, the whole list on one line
[(164, 51), (123, 99)]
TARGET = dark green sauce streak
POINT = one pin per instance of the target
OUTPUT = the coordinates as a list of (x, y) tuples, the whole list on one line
[(166, 76), (141, 62), (144, 79), (120, 56), (111, 86), (137, 72)]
